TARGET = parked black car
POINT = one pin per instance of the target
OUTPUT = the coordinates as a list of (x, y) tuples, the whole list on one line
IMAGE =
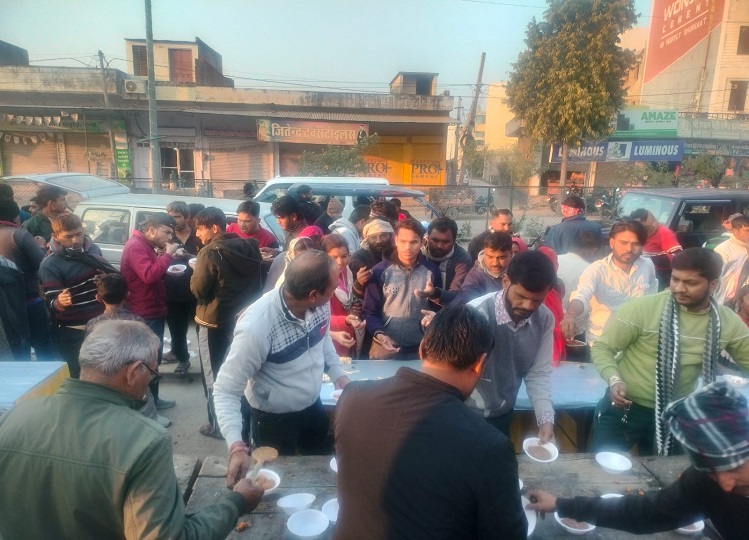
[(695, 215)]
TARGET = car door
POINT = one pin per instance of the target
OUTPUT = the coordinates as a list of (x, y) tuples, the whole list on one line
[(701, 220), (108, 227)]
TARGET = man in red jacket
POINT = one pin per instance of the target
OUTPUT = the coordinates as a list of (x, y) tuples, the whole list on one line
[(145, 260)]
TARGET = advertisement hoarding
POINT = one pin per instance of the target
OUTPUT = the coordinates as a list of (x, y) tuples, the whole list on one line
[(676, 27), (636, 122), (611, 151), (297, 131)]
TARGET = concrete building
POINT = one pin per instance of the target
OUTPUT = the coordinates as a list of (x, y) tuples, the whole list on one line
[(698, 57), (210, 134)]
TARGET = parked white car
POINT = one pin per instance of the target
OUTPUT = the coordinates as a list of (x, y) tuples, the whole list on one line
[(111, 220)]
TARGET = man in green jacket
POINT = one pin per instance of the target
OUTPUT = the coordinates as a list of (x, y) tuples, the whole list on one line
[(654, 350), (85, 464)]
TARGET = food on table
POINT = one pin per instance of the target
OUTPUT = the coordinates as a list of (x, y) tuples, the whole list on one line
[(574, 524), (242, 525), (265, 483), (539, 452)]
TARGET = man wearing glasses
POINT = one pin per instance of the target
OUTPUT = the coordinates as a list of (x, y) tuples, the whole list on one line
[(107, 468)]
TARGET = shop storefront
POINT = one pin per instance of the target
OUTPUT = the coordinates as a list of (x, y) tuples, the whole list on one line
[(72, 143)]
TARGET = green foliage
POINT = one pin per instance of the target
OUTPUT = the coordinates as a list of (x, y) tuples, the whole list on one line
[(704, 167), (568, 85), (474, 157), (464, 232), (513, 166), (337, 160)]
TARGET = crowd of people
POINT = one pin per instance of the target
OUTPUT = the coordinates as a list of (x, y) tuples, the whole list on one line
[(273, 320)]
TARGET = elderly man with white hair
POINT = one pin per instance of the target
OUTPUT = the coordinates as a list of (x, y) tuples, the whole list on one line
[(84, 463)]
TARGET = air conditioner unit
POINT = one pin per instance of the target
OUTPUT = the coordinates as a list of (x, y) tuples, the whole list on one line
[(135, 87)]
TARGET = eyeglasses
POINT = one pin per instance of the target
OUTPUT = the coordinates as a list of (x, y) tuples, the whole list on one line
[(154, 374)]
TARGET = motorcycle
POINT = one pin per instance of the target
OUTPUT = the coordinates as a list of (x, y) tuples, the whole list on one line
[(606, 203)]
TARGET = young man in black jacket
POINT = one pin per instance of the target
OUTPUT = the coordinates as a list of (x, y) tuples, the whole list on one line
[(226, 280), (713, 427)]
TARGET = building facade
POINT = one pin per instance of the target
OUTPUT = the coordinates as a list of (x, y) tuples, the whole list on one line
[(212, 137)]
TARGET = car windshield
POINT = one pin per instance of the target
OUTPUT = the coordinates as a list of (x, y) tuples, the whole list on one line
[(662, 208)]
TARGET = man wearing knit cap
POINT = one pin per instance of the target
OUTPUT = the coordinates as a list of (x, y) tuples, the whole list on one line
[(713, 427), (377, 237), (333, 212)]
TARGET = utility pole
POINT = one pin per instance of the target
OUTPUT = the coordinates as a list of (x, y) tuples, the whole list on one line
[(113, 169), (153, 123), (456, 150), (471, 120)]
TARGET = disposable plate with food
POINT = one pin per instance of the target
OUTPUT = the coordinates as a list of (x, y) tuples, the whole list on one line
[(573, 526), (544, 453)]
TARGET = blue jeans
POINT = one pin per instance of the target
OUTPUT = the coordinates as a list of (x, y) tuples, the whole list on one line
[(157, 327), (40, 331)]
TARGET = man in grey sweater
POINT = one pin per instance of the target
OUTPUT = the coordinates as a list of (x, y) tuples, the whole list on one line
[(523, 333)]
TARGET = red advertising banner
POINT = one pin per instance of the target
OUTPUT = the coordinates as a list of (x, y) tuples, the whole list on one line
[(676, 27)]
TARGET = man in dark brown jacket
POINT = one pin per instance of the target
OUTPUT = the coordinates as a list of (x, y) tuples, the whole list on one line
[(226, 280)]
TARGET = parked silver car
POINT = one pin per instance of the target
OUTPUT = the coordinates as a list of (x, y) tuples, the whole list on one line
[(110, 220)]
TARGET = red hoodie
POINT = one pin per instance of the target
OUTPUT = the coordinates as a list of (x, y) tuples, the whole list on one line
[(144, 272)]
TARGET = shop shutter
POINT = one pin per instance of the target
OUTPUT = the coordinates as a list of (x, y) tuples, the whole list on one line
[(75, 153), (289, 156), (29, 158), (234, 162)]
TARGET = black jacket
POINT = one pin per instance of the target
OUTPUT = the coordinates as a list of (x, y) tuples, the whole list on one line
[(226, 279), (692, 497), (425, 467)]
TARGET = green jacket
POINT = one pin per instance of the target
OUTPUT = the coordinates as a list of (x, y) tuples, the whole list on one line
[(38, 225), (633, 331), (85, 464)]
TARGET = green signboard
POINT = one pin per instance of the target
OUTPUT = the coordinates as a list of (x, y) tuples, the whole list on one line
[(641, 123)]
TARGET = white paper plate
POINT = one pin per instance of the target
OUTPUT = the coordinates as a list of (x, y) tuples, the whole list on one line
[(334, 465), (530, 515)]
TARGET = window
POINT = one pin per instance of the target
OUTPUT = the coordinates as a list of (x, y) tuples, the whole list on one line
[(737, 97), (178, 166), (106, 225), (181, 69), (140, 61), (743, 47)]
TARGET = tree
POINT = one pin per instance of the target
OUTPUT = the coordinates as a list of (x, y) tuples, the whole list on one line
[(513, 166), (337, 160), (568, 85), (474, 157), (705, 167)]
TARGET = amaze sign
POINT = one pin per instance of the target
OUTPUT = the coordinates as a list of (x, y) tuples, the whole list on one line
[(676, 27)]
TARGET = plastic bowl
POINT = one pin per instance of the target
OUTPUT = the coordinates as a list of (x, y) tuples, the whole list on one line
[(308, 523), (575, 344), (270, 475), (613, 463), (530, 515), (191, 263), (533, 441), (334, 465), (330, 509), (736, 381), (295, 502), (177, 269), (573, 530), (692, 530)]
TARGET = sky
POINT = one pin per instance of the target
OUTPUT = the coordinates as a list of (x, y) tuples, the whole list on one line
[(335, 45)]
